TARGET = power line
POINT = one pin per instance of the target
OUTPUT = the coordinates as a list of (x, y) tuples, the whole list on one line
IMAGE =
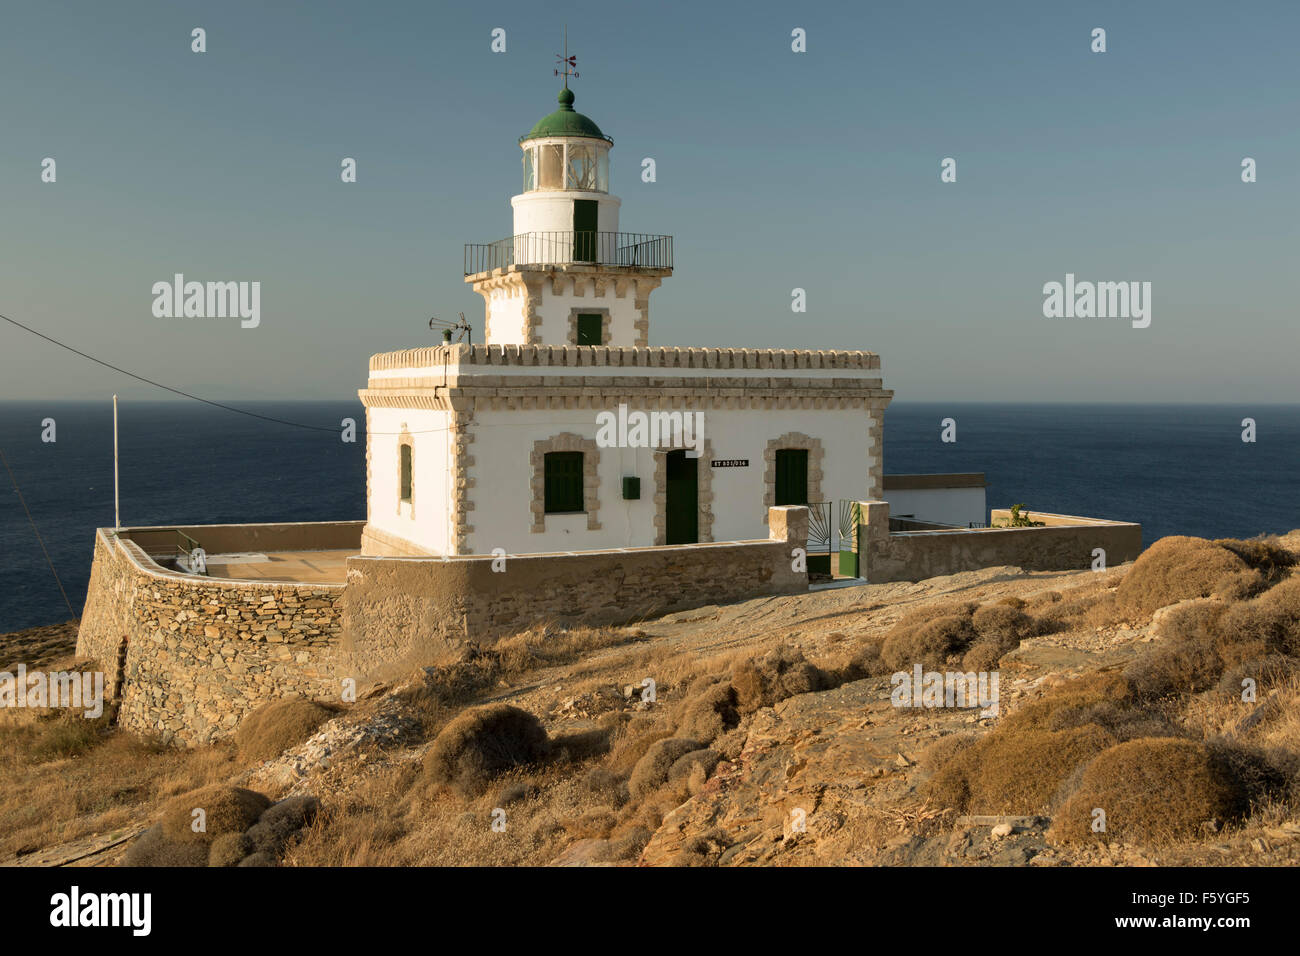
[(167, 388), (39, 540)]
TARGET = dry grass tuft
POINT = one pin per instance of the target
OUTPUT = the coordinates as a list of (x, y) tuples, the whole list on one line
[(225, 810), (1156, 790), (279, 726), (483, 743), (780, 673), (1016, 773), (1177, 568)]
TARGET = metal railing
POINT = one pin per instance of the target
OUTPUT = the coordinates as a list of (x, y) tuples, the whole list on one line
[(633, 250)]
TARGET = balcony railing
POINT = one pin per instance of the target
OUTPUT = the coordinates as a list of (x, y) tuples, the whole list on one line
[(631, 250)]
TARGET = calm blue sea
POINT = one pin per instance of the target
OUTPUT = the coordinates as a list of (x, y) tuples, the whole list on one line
[(1176, 469)]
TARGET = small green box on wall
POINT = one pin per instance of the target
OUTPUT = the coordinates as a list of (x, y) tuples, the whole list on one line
[(631, 488)]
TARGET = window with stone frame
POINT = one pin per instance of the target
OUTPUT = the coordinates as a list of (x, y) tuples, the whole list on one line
[(563, 477)]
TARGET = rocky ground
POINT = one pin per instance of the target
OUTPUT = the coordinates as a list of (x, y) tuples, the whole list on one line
[(824, 778)]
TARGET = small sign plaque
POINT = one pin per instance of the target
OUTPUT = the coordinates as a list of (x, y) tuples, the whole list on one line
[(730, 463)]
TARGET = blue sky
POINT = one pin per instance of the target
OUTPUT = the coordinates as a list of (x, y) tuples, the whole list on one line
[(776, 170)]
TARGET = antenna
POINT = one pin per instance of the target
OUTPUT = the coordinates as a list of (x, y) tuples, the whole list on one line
[(567, 64), (463, 327)]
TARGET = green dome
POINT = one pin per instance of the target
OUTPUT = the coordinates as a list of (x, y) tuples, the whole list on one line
[(565, 122)]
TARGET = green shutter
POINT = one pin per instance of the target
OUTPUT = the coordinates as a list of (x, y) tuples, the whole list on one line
[(406, 473), (590, 327), (563, 482), (791, 476)]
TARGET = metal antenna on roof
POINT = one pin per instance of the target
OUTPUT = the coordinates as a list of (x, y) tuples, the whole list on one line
[(567, 64), (447, 328)]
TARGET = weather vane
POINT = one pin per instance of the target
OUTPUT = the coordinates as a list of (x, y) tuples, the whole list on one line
[(567, 64)]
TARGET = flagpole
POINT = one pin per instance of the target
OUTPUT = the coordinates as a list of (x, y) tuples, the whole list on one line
[(117, 513)]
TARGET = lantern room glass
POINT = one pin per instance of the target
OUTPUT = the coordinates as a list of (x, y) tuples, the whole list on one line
[(550, 167), (579, 166), (530, 172)]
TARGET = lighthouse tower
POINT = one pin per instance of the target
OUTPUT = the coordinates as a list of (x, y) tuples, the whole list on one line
[(566, 275)]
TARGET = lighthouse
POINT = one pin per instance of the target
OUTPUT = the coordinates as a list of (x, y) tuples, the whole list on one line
[(568, 431), (566, 275)]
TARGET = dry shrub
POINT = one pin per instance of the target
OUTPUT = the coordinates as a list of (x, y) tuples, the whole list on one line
[(276, 727), (709, 712), (1186, 668), (704, 759), (581, 745), (1269, 671), (1194, 620), (651, 771), (1270, 621), (937, 756), (780, 673), (604, 786), (1177, 568), (152, 848), (226, 810), (1265, 555), (999, 628), (1015, 773), (865, 661), (229, 849), (630, 749), (929, 644), (1055, 617), (482, 743), (1066, 705), (1004, 624), (281, 823), (1152, 790)]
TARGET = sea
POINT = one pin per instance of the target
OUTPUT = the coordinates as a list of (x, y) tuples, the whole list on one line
[(1176, 469)]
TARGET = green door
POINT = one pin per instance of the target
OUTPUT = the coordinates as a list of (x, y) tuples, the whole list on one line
[(584, 230), (681, 509), (792, 476)]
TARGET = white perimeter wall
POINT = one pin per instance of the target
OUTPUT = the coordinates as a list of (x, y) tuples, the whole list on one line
[(502, 491), (959, 506), (427, 520)]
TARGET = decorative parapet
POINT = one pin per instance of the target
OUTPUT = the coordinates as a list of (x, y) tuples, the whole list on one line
[(436, 357)]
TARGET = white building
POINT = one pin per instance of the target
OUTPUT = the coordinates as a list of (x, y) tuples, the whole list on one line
[(532, 442)]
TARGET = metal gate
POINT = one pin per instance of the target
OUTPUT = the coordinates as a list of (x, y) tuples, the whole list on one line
[(847, 537), (820, 537)]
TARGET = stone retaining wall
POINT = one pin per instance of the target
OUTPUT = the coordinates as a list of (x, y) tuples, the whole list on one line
[(400, 611), (200, 653), (197, 654)]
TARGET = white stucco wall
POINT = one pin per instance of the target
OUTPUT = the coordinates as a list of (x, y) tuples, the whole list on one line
[(957, 506), (502, 491), (554, 310), (505, 315), (427, 519)]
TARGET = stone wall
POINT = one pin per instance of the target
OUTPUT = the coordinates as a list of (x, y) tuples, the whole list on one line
[(1064, 543), (399, 611), (197, 654), (200, 653)]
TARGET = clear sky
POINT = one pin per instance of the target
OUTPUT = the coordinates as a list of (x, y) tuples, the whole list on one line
[(776, 170)]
